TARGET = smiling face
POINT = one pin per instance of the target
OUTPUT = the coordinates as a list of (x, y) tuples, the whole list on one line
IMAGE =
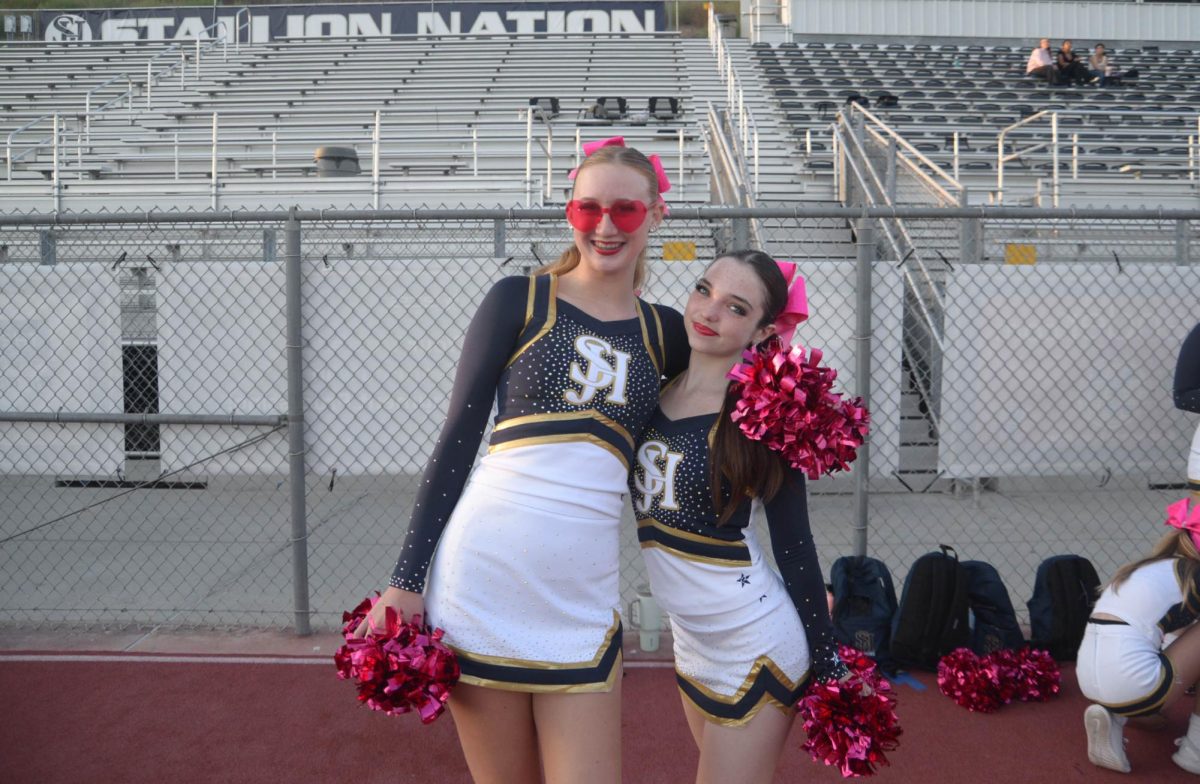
[(610, 188), (724, 313)]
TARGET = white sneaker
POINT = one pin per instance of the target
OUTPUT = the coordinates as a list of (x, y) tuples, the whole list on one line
[(1188, 756), (1106, 742)]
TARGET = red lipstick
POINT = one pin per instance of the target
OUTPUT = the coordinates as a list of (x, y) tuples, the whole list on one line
[(703, 330)]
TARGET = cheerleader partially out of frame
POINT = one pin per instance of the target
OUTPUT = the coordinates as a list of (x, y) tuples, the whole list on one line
[(524, 576), (1187, 398), (1123, 666), (746, 637)]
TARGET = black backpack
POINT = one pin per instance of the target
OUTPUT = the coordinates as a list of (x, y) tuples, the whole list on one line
[(995, 621), (932, 618), (864, 601), (1064, 592)]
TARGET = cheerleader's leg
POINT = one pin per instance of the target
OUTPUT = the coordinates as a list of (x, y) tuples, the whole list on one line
[(497, 734), (1184, 655), (748, 753), (695, 719), (579, 736)]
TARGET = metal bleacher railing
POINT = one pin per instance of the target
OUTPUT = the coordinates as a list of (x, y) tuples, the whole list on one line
[(210, 38), (1048, 151)]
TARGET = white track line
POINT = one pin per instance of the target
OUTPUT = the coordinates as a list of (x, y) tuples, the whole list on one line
[(157, 658), (154, 658)]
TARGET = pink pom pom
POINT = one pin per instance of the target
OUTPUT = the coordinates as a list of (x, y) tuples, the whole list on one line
[(1038, 676), (399, 668), (787, 403), (999, 678), (967, 680), (1002, 667), (851, 724)]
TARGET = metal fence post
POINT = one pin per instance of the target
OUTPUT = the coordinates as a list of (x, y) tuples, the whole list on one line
[(1183, 243), (741, 233), (499, 245), (295, 394), (970, 244), (890, 181), (47, 247), (862, 372), (270, 246)]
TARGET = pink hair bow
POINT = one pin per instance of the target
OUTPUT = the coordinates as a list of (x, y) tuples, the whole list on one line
[(664, 183), (796, 309), (1179, 517)]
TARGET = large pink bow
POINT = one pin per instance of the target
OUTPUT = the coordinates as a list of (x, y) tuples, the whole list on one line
[(796, 309), (664, 183), (1179, 517)]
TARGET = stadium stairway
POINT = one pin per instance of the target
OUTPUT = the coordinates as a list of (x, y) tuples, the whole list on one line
[(785, 179)]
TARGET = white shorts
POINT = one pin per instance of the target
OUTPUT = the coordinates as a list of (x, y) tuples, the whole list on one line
[(1120, 669)]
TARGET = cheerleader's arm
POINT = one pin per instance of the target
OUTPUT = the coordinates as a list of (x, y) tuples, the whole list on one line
[(489, 342), (675, 341), (1187, 373), (796, 556)]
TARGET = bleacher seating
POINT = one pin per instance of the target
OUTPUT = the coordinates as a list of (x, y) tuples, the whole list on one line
[(977, 90), (446, 110), (452, 110)]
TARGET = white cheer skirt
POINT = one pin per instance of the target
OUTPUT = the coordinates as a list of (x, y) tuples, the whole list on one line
[(738, 640), (526, 585)]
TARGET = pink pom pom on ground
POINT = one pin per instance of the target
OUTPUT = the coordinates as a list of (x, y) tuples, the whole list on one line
[(964, 678), (984, 684)]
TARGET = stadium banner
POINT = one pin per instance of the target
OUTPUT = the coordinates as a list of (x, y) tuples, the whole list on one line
[(267, 23)]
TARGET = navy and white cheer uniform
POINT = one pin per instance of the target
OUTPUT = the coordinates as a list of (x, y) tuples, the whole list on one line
[(745, 635), (1120, 663), (1187, 397), (522, 557)]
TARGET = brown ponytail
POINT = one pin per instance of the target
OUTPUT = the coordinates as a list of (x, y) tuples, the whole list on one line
[(739, 467), (1174, 544)]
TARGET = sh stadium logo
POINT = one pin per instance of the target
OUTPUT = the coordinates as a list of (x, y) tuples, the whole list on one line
[(68, 28)]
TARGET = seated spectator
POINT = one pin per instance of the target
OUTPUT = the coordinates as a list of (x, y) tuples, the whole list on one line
[(1070, 69), (1100, 68), (1041, 63)]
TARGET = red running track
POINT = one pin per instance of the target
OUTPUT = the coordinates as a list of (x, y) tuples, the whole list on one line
[(153, 718)]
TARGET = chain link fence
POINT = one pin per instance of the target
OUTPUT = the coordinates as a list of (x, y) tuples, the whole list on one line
[(220, 419)]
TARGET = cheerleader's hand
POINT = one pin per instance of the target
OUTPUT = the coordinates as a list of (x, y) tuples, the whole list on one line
[(405, 603)]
